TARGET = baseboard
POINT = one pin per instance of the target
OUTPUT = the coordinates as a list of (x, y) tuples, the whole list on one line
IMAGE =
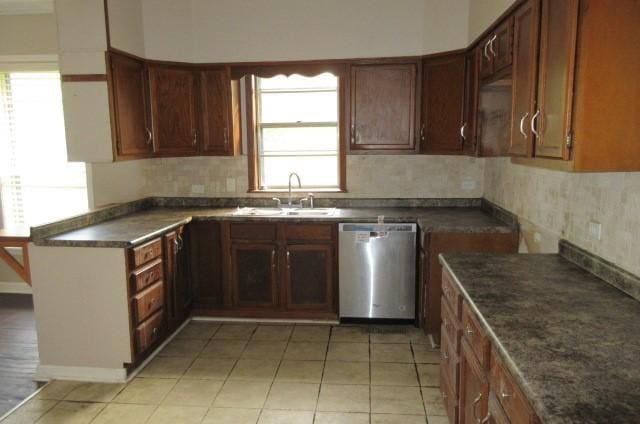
[(267, 320), (15, 287), (60, 372)]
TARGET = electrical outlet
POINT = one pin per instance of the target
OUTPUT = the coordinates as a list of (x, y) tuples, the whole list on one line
[(197, 189), (231, 185), (537, 237), (595, 230), (468, 184)]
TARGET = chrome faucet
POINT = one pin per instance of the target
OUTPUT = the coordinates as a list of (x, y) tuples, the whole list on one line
[(299, 185)]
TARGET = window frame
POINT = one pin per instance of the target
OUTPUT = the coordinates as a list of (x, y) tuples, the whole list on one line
[(252, 126)]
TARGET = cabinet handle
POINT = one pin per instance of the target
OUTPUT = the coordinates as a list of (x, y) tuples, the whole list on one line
[(474, 407), (486, 46), (486, 419), (504, 395), (444, 396), (463, 139), (195, 137), (273, 259), (533, 123), (422, 132), (154, 332), (493, 52), (149, 136), (226, 136), (353, 134), (288, 260), (524, 134), (445, 354), (470, 332)]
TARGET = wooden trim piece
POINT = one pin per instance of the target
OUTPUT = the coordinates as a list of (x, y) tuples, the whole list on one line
[(106, 23), (22, 269), (83, 77)]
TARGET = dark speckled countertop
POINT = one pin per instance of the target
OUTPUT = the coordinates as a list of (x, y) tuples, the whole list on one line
[(570, 339), (137, 227)]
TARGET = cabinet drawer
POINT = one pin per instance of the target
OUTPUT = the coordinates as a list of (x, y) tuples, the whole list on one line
[(450, 325), (449, 364), (450, 400), (473, 333), (311, 232), (143, 277), (451, 294), (513, 402), (146, 252), (149, 332), (147, 302), (253, 231)]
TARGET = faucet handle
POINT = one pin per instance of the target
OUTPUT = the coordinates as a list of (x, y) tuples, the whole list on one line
[(278, 202)]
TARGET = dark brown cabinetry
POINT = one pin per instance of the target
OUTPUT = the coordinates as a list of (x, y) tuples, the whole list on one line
[(254, 272), (496, 51), (470, 105), (309, 277), (383, 107), (443, 94), (205, 251), (130, 111), (474, 388), (179, 293)]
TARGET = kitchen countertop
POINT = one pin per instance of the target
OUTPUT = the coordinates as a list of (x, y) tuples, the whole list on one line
[(138, 227), (571, 340)]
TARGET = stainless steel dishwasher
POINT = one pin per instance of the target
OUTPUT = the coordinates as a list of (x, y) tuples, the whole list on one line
[(377, 270)]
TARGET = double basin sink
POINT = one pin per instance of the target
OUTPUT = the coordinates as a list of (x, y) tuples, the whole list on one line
[(275, 212)]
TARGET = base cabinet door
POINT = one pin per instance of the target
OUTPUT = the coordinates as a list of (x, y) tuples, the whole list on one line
[(206, 270), (495, 414), (474, 387), (253, 275), (309, 277), (178, 291)]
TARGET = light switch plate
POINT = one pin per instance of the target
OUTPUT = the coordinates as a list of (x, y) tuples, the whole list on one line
[(595, 230)]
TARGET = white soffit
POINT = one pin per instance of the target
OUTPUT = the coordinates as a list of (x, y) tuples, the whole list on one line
[(25, 7)]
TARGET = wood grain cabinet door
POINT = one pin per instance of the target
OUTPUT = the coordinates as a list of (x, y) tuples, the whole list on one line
[(501, 46), (173, 110), (443, 82), (129, 93), (215, 97), (254, 275), (470, 106), (486, 58), (309, 276), (205, 252), (474, 387), (383, 107), (495, 413), (178, 290), (525, 65)]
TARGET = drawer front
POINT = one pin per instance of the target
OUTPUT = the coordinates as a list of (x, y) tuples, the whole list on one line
[(509, 396), (449, 364), (147, 252), (450, 293), (450, 325), (147, 302), (450, 400), (253, 231), (144, 277), (320, 232), (473, 333), (148, 333)]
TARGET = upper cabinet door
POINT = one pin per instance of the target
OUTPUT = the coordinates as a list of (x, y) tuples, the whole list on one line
[(470, 106), (383, 107), (215, 107), (501, 46), (172, 92), (443, 82), (128, 79), (523, 110), (558, 28)]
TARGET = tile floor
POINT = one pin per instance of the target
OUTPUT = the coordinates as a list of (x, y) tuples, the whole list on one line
[(263, 373)]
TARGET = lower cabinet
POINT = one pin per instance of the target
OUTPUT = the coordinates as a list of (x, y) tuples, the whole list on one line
[(254, 269), (474, 389), (308, 279), (179, 293)]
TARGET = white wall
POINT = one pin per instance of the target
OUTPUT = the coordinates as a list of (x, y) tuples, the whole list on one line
[(115, 182), (28, 35), (483, 13), (125, 26)]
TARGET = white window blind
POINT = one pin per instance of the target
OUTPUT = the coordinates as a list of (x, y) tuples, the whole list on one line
[(297, 125), (37, 182)]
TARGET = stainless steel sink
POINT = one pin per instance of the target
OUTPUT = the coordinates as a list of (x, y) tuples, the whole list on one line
[(310, 212), (257, 212)]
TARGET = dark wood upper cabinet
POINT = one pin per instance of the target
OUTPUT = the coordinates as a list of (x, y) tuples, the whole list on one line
[(173, 110), (443, 92), (309, 276), (470, 106), (496, 51), (130, 112), (383, 107), (254, 275), (525, 52)]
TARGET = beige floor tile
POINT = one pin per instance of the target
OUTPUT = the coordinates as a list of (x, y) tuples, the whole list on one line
[(429, 375), (166, 367), (341, 418), (433, 403), (390, 374), (424, 354), (199, 330), (398, 419), (235, 331), (220, 348), (273, 332), (306, 351), (94, 392), (391, 352), (350, 334), (242, 394), (193, 393), (293, 396), (389, 337), (188, 348), (354, 352), (146, 391), (418, 336), (178, 414), (396, 400), (285, 417), (116, 413), (255, 369), (343, 398), (311, 333), (30, 411), (343, 372), (300, 371), (259, 349), (72, 413), (434, 419), (210, 368), (231, 416), (57, 389)]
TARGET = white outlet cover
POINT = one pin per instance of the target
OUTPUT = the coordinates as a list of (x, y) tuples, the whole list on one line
[(468, 184), (197, 189), (595, 230), (231, 185), (537, 237)]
